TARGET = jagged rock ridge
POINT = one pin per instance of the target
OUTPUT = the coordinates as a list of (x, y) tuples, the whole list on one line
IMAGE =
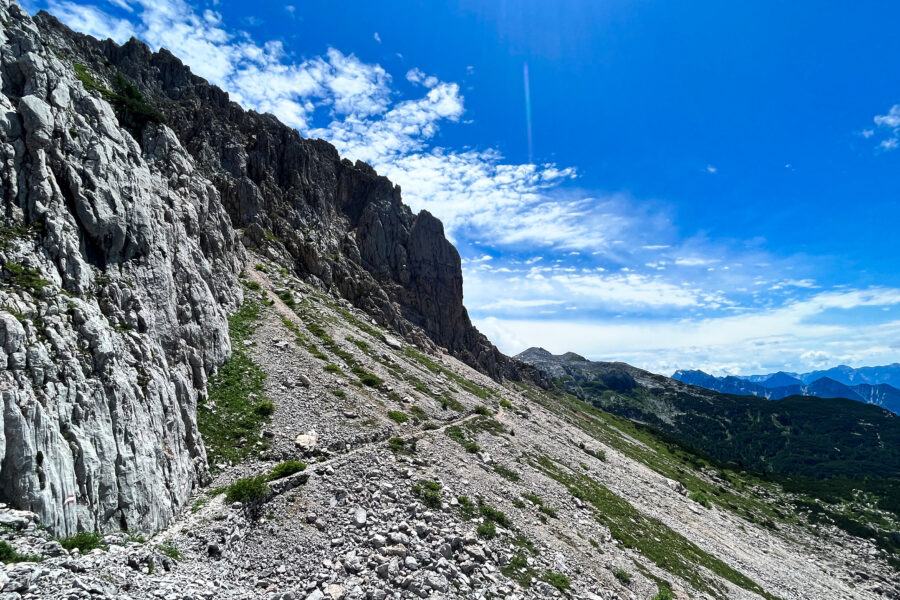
[(326, 218)]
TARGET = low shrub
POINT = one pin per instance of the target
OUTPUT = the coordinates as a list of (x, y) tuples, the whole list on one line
[(622, 575), (285, 469), (398, 416), (557, 580), (247, 489), (85, 541)]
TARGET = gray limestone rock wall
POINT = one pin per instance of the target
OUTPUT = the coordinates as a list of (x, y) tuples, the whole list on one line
[(118, 265)]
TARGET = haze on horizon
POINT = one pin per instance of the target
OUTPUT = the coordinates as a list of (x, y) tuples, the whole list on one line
[(674, 185)]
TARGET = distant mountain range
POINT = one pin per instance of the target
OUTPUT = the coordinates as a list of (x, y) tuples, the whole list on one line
[(872, 385)]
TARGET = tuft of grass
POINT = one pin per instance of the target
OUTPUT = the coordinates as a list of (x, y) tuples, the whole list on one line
[(8, 554), (664, 592), (506, 403), (170, 550), (398, 416), (400, 446), (622, 575), (700, 498), (26, 278), (487, 530), (483, 410), (518, 570), (456, 434), (557, 580), (229, 414), (495, 516), (248, 489), (332, 368), (429, 492), (367, 378), (507, 473), (198, 504), (548, 510), (85, 541), (418, 413), (286, 469), (467, 508), (265, 408)]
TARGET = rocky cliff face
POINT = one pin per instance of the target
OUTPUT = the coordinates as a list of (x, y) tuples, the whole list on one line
[(118, 266), (333, 222)]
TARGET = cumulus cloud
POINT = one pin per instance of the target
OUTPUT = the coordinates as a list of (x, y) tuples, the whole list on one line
[(889, 125)]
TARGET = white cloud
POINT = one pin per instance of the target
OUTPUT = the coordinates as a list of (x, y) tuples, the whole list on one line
[(377, 37), (91, 20), (711, 169), (790, 337), (890, 123)]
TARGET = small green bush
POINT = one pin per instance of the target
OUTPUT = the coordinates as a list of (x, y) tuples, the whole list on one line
[(247, 489), (332, 368), (700, 498), (400, 446), (429, 492), (487, 530), (398, 416), (622, 575), (483, 410), (85, 541), (285, 469), (506, 403), (367, 379), (252, 285), (24, 277), (466, 507), (557, 580)]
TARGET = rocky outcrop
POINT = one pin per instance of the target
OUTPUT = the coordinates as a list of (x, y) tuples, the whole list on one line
[(118, 266), (334, 222)]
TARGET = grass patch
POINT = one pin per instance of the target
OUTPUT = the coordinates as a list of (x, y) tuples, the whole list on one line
[(198, 504), (85, 541), (622, 575), (518, 570), (398, 416), (235, 410), (456, 434), (557, 580), (429, 492), (664, 592), (487, 530), (434, 367), (506, 473), (332, 368), (398, 445), (700, 498), (495, 516), (483, 410), (506, 403), (367, 378), (8, 554), (286, 469), (467, 508), (418, 413), (26, 278), (248, 489), (170, 550), (668, 549)]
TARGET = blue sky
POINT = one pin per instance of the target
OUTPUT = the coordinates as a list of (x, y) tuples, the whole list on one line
[(691, 184)]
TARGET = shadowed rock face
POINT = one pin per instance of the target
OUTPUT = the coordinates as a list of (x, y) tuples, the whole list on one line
[(337, 223)]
